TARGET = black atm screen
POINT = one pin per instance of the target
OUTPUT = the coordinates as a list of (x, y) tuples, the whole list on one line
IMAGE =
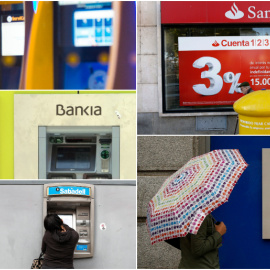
[(78, 158), (83, 35)]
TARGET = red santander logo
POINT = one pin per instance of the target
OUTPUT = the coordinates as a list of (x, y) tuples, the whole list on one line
[(215, 44)]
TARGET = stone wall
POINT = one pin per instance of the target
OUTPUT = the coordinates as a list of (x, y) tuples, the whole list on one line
[(159, 157)]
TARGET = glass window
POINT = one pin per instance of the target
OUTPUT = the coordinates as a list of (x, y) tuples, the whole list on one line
[(170, 73)]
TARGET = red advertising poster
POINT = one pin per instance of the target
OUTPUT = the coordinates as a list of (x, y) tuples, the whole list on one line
[(211, 68)]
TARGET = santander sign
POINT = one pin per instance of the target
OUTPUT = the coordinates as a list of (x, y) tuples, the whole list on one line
[(235, 13)]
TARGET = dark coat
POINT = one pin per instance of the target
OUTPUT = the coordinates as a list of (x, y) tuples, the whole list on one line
[(201, 250), (249, 91), (59, 248)]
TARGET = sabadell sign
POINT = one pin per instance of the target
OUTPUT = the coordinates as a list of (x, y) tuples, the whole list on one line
[(68, 190)]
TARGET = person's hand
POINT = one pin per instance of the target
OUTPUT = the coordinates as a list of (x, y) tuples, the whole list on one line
[(221, 228)]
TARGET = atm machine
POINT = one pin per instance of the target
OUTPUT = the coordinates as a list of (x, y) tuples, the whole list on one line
[(79, 152), (12, 43), (82, 45), (74, 204), (83, 34)]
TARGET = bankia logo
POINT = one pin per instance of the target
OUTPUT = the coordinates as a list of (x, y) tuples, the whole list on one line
[(234, 13)]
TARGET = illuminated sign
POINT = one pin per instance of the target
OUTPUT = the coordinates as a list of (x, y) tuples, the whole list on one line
[(81, 247), (68, 190), (93, 28), (35, 6)]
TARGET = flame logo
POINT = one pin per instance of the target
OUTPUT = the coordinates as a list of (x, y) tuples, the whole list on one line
[(215, 44), (234, 13)]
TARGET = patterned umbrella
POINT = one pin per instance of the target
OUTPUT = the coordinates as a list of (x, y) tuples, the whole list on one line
[(194, 191)]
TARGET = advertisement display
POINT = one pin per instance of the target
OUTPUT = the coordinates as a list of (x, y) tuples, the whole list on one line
[(210, 68)]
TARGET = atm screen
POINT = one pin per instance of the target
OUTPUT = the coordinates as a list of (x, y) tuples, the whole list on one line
[(93, 28), (67, 219), (83, 35), (12, 28), (73, 158)]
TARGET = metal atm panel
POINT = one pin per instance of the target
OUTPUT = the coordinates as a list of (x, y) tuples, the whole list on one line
[(83, 32), (74, 203), (79, 152)]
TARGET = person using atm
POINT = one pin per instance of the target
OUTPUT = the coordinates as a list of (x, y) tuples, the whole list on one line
[(58, 243)]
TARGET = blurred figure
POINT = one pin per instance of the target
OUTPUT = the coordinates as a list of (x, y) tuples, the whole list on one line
[(245, 88)]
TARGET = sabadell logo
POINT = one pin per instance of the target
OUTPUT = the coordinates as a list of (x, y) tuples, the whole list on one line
[(72, 191), (234, 13)]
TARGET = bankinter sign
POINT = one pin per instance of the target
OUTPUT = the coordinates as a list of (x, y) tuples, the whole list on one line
[(210, 68)]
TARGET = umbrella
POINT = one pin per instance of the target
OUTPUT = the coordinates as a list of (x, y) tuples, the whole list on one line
[(191, 193)]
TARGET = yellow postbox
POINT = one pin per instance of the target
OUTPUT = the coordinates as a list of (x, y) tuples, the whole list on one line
[(254, 112)]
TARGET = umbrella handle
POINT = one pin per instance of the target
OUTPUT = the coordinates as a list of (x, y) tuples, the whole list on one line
[(217, 223)]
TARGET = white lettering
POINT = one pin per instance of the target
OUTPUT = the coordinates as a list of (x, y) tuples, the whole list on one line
[(72, 191), (251, 11), (260, 14)]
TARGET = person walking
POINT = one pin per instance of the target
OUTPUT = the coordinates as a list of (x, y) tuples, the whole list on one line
[(200, 250)]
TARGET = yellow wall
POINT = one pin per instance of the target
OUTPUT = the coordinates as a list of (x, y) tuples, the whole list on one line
[(6, 135)]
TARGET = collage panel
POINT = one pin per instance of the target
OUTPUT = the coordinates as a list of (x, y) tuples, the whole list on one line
[(68, 45), (203, 67), (189, 187), (99, 217), (68, 134)]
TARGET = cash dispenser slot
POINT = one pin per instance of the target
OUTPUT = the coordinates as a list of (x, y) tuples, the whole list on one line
[(80, 140), (61, 176), (74, 203)]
